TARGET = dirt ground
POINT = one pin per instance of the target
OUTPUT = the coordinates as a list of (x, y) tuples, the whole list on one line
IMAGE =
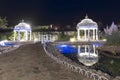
[(30, 62)]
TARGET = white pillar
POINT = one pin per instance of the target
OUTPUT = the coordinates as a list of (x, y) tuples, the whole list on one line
[(88, 34), (89, 50), (93, 34), (78, 36), (14, 35), (42, 39), (30, 34), (85, 34), (96, 34), (79, 49), (34, 36), (94, 49), (85, 48), (18, 35)]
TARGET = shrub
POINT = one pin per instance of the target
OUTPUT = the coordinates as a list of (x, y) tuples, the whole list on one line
[(11, 36), (63, 37), (3, 37), (113, 39)]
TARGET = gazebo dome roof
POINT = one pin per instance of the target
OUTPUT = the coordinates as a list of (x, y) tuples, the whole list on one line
[(22, 26), (87, 23)]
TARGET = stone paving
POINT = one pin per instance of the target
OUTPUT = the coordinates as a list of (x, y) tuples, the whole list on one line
[(30, 62)]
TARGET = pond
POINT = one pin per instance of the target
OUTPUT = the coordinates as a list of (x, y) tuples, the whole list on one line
[(89, 56), (8, 43)]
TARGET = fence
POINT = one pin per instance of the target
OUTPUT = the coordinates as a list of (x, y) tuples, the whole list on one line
[(58, 57)]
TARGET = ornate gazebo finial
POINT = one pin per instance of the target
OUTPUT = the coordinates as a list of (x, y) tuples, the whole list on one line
[(86, 17)]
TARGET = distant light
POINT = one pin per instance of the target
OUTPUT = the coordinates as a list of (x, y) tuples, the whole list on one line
[(56, 28), (51, 26), (72, 39), (104, 39)]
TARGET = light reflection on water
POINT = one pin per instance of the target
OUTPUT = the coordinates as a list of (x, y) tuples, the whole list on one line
[(87, 54)]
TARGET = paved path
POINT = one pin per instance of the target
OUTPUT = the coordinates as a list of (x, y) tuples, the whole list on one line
[(30, 62)]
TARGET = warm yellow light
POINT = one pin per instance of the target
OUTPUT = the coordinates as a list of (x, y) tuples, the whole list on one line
[(72, 39), (104, 39)]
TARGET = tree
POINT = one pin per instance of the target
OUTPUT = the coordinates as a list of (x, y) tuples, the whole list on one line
[(100, 25), (113, 39), (3, 23)]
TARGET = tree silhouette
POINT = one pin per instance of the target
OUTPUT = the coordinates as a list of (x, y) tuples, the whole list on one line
[(3, 23), (100, 26)]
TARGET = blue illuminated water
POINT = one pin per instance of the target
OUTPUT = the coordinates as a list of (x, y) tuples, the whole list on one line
[(104, 63), (7, 43), (66, 49)]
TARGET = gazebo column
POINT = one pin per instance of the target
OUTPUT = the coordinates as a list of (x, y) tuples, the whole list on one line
[(79, 49), (94, 49), (14, 35), (96, 34), (30, 34), (85, 48), (89, 50), (26, 35), (93, 34), (85, 34), (18, 35), (78, 34), (88, 34)]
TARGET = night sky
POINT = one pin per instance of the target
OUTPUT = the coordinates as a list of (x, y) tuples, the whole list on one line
[(64, 12)]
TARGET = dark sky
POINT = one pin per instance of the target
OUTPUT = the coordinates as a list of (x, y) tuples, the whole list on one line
[(37, 12)]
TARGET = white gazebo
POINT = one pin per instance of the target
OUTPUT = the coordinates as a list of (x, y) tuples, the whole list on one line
[(87, 30), (24, 28)]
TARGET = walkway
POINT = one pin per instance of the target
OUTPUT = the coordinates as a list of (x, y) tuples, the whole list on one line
[(30, 62)]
